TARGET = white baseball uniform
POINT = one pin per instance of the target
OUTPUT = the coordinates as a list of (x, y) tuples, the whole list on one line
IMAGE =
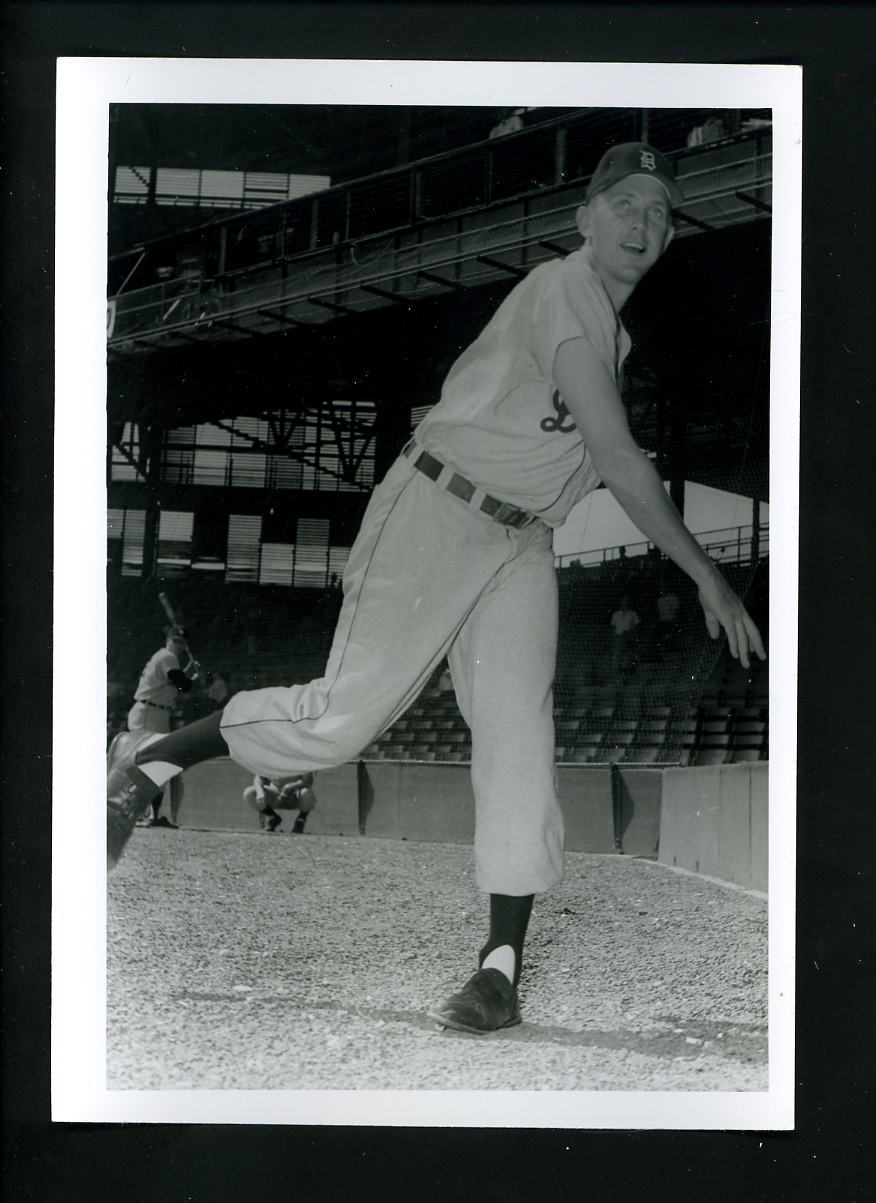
[(431, 574), (155, 696)]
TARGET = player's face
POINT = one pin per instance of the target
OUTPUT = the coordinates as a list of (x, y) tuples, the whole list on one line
[(628, 227)]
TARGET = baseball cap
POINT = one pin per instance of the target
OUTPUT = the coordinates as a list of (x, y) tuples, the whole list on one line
[(634, 158), (176, 632)]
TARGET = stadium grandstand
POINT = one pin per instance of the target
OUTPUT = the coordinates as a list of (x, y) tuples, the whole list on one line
[(287, 287)]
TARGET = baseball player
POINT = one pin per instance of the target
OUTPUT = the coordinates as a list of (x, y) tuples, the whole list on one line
[(161, 682), (289, 793), (454, 557)]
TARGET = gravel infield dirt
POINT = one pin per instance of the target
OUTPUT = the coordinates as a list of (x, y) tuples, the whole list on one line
[(251, 962)]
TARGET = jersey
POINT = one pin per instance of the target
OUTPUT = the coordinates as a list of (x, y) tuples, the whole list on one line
[(624, 621), (500, 420), (153, 685)]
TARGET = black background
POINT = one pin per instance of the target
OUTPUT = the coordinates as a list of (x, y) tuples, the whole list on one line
[(829, 1156)]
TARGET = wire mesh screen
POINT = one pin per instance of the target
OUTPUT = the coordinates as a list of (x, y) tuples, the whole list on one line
[(638, 680)]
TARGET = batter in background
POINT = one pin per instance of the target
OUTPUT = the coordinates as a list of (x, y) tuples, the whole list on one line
[(161, 683), (454, 558)]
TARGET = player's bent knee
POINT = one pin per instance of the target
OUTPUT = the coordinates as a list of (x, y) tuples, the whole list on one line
[(306, 801)]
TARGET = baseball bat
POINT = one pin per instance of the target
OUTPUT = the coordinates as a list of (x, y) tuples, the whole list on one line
[(174, 621), (168, 609)]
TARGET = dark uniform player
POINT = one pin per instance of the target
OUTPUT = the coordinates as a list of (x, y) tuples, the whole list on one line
[(454, 557), (291, 793)]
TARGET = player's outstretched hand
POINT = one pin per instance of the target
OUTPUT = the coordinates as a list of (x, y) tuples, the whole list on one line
[(724, 611)]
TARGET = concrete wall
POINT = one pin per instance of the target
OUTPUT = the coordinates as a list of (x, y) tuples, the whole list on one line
[(714, 821), (638, 796), (709, 820), (400, 800), (214, 800)]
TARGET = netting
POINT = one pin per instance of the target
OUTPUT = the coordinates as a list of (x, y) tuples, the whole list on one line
[(638, 680)]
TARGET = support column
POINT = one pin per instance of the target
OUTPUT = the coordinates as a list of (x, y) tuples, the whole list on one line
[(150, 455), (755, 531), (391, 431), (677, 447)]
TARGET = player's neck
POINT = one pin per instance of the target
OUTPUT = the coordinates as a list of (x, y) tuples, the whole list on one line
[(617, 291)]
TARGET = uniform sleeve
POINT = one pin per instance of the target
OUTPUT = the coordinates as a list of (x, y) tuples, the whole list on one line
[(166, 661), (169, 667), (573, 307)]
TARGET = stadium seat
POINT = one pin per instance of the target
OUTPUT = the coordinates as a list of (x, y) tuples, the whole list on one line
[(710, 756), (713, 750), (709, 728), (753, 728), (745, 755), (652, 730), (749, 739), (612, 753), (643, 754)]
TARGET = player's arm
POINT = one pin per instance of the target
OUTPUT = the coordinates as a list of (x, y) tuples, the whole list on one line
[(594, 402), (177, 677), (185, 678), (192, 669)]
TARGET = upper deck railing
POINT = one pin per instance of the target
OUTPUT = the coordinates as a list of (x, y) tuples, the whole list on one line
[(727, 545), (488, 211)]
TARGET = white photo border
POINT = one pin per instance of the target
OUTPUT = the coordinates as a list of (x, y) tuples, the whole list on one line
[(86, 88)]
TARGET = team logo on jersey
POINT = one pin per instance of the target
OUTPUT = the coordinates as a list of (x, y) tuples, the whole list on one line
[(549, 425), (646, 159)]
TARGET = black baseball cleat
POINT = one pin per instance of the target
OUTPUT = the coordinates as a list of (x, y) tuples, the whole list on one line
[(269, 820), (486, 1003), (129, 792)]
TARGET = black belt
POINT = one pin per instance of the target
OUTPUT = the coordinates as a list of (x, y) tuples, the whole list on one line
[(154, 705), (500, 511)]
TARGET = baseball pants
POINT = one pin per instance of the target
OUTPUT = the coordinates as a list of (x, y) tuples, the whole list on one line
[(152, 718), (429, 576), (149, 718)]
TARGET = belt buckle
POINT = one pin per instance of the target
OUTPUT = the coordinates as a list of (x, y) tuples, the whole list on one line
[(510, 515)]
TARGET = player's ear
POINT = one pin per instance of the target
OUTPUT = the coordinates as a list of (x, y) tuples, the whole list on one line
[(582, 220), (670, 234)]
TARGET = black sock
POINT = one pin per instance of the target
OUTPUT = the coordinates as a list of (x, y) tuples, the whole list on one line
[(509, 918), (298, 825), (189, 745)]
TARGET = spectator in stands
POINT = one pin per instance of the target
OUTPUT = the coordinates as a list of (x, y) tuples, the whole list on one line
[(510, 122), (666, 626), (624, 624), (625, 570), (441, 683), (283, 793), (713, 128)]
